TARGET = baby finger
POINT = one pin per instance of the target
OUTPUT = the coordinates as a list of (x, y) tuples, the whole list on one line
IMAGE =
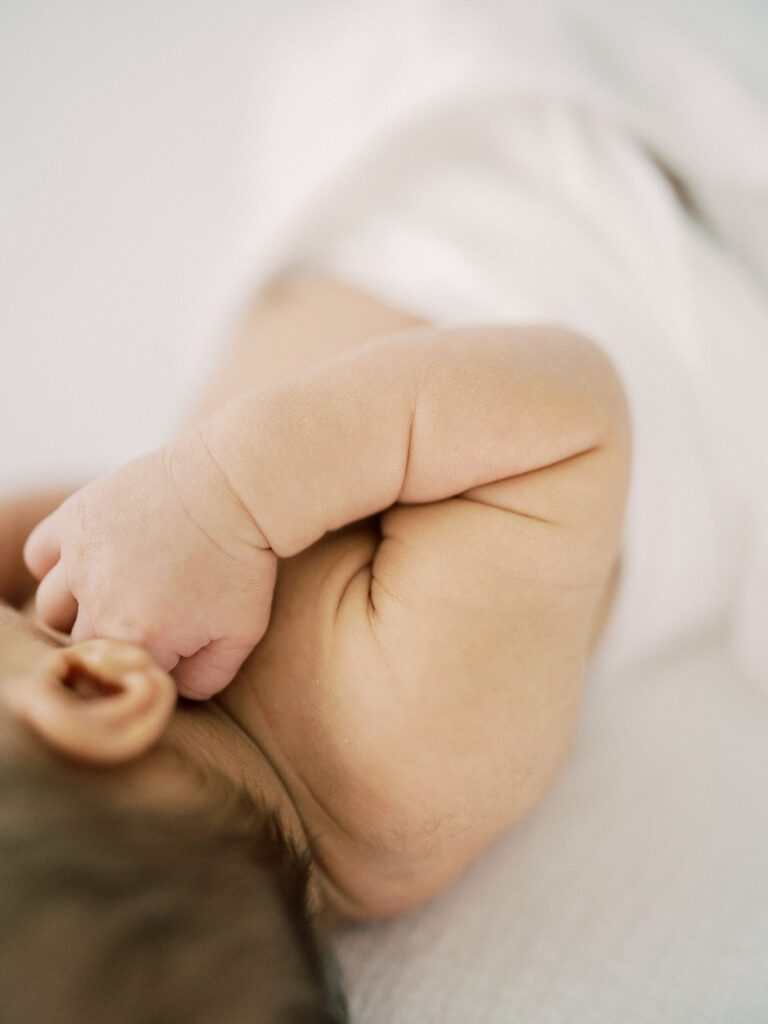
[(42, 548), (55, 603)]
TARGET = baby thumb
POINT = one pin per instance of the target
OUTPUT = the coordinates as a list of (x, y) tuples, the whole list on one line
[(211, 669)]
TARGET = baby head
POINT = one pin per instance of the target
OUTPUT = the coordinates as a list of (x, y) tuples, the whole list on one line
[(154, 890)]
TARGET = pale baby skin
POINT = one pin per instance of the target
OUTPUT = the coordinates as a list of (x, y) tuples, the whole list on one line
[(439, 513)]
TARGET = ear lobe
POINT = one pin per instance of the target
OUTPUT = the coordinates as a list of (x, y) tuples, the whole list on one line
[(101, 702)]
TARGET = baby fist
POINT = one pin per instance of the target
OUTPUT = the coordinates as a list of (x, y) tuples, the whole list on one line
[(163, 554)]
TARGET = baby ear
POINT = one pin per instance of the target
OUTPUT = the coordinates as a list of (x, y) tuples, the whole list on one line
[(101, 702)]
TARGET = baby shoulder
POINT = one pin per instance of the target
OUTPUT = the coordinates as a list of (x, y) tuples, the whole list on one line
[(459, 654)]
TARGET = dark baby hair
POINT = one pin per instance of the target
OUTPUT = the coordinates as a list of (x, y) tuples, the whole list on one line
[(122, 915)]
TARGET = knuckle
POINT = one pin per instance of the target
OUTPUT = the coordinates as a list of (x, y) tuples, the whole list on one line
[(129, 632)]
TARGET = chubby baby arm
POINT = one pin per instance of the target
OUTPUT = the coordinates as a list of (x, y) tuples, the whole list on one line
[(422, 675), (414, 417)]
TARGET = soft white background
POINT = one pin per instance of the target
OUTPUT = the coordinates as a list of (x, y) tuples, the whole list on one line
[(125, 206)]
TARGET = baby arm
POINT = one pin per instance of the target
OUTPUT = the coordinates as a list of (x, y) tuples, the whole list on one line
[(411, 418), (422, 673), (296, 321), (177, 550)]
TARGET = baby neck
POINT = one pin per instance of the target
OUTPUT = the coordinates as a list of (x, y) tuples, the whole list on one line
[(214, 745)]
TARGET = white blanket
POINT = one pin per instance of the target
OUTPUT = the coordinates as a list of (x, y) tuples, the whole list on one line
[(508, 162)]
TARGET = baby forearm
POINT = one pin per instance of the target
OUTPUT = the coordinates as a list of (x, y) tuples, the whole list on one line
[(413, 417)]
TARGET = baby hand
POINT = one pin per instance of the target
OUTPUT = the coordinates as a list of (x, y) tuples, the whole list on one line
[(160, 553)]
